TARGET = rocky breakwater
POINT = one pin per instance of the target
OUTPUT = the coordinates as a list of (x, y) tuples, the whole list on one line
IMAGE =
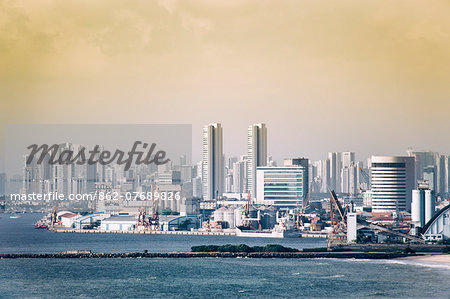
[(296, 255)]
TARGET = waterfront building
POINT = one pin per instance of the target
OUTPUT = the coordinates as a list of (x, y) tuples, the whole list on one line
[(212, 164), (256, 153), (392, 182), (282, 186), (119, 223)]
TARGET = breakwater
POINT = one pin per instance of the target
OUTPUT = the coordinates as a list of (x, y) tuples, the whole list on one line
[(294, 255)]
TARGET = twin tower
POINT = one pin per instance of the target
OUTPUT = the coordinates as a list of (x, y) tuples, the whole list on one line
[(213, 169)]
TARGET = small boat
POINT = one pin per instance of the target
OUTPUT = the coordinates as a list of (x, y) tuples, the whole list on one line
[(14, 216)]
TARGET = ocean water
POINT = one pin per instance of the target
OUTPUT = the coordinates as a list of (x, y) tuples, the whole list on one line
[(219, 278), (19, 236), (199, 277)]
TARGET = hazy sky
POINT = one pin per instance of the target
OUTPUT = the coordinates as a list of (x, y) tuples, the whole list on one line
[(366, 76)]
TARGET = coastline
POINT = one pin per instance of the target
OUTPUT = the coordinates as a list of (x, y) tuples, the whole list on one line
[(438, 259)]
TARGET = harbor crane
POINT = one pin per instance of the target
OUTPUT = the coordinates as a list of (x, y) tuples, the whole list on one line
[(339, 227)]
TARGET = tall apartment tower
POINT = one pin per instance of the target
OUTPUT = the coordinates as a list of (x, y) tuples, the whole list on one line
[(213, 172), (392, 181), (256, 153), (335, 171)]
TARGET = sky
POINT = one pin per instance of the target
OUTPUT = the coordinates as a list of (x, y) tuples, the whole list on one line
[(366, 76)]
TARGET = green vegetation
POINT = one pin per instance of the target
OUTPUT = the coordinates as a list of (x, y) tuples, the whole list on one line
[(242, 248), (446, 249)]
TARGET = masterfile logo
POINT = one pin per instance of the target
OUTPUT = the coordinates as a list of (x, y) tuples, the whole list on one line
[(33, 149), (104, 157)]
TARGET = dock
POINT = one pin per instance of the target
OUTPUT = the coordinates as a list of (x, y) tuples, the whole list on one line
[(141, 232)]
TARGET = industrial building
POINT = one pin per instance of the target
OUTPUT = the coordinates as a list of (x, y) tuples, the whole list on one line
[(438, 228), (119, 223)]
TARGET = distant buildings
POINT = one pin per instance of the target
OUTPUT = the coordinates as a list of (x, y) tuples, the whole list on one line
[(392, 181), (339, 172), (213, 175), (256, 153), (240, 176), (433, 167)]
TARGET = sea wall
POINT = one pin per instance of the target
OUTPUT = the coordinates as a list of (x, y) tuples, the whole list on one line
[(296, 255)]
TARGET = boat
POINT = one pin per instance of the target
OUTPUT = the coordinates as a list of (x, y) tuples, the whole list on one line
[(14, 216), (268, 233)]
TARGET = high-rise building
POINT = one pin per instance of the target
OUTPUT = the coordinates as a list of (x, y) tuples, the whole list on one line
[(239, 176), (335, 171), (348, 158), (325, 188), (256, 153), (213, 172), (392, 181)]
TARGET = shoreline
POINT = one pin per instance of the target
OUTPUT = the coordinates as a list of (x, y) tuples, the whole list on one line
[(438, 259)]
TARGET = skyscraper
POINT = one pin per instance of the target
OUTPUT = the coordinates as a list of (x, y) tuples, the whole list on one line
[(213, 172), (335, 171), (256, 153), (392, 181), (348, 158)]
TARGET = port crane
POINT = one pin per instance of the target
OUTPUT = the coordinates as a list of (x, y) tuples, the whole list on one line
[(303, 209), (339, 227)]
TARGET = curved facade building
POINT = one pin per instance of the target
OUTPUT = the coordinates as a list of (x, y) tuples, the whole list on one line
[(392, 180)]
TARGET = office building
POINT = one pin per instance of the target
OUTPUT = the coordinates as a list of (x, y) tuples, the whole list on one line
[(392, 181), (284, 187)]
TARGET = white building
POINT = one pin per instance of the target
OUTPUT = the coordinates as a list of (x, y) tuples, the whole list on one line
[(239, 176), (392, 181), (212, 163), (282, 186), (67, 219), (119, 223), (256, 153)]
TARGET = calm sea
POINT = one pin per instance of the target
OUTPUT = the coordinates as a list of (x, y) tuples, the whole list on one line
[(198, 278)]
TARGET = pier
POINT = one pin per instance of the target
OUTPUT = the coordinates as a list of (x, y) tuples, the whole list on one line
[(141, 232)]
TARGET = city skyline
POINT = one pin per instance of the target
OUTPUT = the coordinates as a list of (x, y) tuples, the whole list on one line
[(356, 76)]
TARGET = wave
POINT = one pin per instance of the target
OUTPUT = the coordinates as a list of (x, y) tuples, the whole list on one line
[(408, 262)]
